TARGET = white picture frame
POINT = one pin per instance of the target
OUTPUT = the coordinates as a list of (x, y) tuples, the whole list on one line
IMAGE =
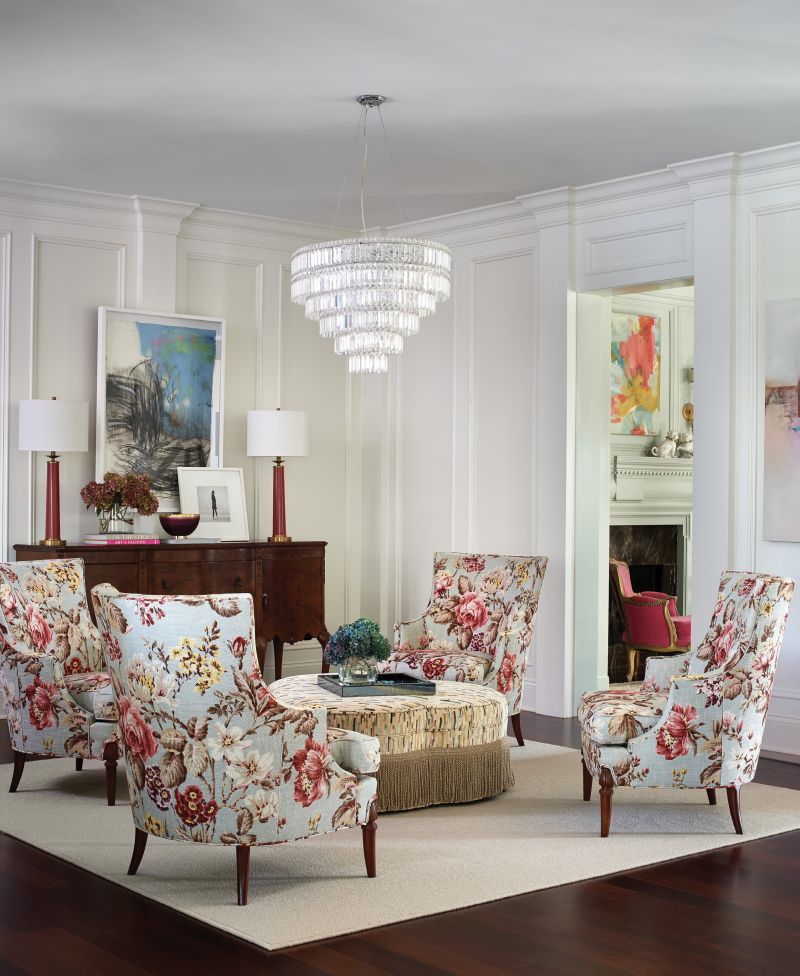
[(218, 495), (142, 368)]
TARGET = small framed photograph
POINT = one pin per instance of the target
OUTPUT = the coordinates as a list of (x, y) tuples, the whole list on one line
[(159, 395), (218, 495)]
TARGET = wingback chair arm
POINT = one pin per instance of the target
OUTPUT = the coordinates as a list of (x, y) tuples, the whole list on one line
[(507, 671), (659, 671)]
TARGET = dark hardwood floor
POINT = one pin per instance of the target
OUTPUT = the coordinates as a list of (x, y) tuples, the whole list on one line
[(730, 911)]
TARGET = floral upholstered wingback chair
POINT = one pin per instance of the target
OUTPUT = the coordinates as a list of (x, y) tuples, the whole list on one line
[(211, 757), (478, 625), (698, 719), (57, 695)]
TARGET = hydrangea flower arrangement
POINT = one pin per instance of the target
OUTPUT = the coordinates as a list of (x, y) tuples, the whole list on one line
[(360, 639), (120, 492)]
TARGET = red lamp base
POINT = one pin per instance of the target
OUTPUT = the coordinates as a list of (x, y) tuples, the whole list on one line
[(278, 505), (52, 525)]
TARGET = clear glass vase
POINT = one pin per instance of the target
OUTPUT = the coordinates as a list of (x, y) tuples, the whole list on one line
[(114, 520), (358, 671)]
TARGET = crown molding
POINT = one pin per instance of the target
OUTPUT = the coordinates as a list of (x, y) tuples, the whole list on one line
[(494, 221), (712, 176), (161, 216), (550, 208), (255, 230), (49, 202)]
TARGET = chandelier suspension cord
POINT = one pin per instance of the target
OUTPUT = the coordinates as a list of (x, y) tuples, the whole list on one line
[(356, 132), (364, 170), (394, 164)]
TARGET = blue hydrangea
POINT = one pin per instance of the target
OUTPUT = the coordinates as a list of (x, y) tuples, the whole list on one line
[(361, 638)]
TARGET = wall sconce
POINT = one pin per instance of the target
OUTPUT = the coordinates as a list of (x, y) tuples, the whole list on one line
[(687, 411)]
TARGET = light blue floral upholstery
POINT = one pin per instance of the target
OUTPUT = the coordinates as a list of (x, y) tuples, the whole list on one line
[(710, 705), (478, 626), (211, 756), (51, 662)]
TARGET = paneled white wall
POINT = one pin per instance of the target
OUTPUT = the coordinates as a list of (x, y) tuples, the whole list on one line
[(63, 253)]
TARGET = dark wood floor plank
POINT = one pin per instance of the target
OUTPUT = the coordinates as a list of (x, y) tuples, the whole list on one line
[(737, 910)]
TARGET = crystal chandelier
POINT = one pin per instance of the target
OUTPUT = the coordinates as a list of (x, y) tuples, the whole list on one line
[(369, 293)]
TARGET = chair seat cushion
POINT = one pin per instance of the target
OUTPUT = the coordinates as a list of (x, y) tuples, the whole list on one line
[(613, 717), (92, 691), (437, 665), (353, 751)]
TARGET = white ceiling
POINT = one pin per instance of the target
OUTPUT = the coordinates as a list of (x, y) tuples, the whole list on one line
[(247, 104)]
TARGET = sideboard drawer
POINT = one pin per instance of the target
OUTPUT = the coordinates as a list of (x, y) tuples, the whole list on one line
[(175, 576)]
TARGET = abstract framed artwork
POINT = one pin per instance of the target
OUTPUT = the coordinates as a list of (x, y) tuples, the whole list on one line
[(781, 515), (218, 495), (635, 395), (159, 395)]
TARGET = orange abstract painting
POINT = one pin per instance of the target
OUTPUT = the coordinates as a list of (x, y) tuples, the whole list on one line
[(635, 373)]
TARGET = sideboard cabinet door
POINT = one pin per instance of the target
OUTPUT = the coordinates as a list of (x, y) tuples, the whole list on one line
[(293, 593)]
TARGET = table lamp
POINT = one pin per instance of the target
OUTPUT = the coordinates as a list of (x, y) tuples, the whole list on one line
[(279, 434), (53, 426)]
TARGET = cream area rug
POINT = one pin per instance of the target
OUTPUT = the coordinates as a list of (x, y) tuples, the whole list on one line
[(536, 835)]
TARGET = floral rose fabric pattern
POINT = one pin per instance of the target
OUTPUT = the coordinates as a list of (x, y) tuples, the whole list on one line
[(210, 755), (51, 662), (478, 625), (712, 702)]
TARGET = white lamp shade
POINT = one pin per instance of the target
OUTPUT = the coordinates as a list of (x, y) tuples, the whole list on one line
[(53, 425), (277, 433)]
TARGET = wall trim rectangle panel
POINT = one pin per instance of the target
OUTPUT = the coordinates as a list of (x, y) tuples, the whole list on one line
[(654, 246)]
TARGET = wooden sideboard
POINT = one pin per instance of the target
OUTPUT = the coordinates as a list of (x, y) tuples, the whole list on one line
[(286, 579)]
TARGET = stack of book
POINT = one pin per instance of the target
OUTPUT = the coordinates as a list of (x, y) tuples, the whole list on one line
[(121, 539)]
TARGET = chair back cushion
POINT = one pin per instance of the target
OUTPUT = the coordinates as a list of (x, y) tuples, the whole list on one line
[(621, 577), (45, 612), (476, 597)]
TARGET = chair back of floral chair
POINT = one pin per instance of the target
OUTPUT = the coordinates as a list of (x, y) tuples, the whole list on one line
[(738, 658), (475, 598), (191, 702), (45, 612)]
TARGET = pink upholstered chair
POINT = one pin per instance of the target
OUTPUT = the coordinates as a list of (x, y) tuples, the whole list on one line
[(651, 619)]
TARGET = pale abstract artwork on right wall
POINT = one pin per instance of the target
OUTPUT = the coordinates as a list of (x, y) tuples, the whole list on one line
[(782, 421)]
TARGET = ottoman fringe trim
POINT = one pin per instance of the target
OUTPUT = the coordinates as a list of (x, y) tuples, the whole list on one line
[(431, 776)]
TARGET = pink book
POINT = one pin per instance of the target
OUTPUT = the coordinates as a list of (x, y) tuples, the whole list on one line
[(122, 542)]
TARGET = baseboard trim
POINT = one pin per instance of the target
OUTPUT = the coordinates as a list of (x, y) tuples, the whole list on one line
[(781, 756)]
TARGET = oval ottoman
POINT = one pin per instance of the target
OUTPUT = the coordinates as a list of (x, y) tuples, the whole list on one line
[(450, 747)]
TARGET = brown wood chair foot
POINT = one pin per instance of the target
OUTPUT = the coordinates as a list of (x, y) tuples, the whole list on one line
[(735, 808), (606, 793), (587, 781), (78, 764), (110, 755), (712, 797), (19, 765), (516, 725), (139, 844), (369, 831), (242, 872)]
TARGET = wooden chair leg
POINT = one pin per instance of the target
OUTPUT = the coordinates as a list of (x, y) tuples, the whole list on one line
[(19, 765), (712, 797), (110, 755), (242, 872), (606, 793), (516, 725), (587, 781), (369, 831), (78, 764), (633, 663), (735, 808), (139, 844)]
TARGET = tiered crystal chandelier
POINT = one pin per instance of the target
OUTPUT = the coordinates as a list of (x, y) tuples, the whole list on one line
[(369, 293)]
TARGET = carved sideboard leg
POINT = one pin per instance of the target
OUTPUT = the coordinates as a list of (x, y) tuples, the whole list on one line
[(606, 793), (323, 638), (19, 765), (277, 650), (735, 808), (587, 781)]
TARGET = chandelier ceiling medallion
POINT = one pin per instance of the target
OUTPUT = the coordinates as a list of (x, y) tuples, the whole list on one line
[(368, 293)]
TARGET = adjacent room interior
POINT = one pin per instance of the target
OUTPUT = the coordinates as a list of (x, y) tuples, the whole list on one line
[(399, 467)]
